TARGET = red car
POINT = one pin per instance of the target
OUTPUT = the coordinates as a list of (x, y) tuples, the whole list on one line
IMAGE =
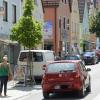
[(66, 76), (98, 54)]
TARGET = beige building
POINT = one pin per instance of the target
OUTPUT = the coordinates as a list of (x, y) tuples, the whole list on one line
[(57, 18), (75, 27), (97, 4)]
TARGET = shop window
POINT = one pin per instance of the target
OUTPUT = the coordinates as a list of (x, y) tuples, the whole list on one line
[(64, 23)]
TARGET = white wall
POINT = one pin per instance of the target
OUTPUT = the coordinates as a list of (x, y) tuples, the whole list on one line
[(5, 26), (38, 11)]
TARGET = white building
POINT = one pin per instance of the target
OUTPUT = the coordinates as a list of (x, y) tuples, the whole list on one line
[(12, 12), (38, 11)]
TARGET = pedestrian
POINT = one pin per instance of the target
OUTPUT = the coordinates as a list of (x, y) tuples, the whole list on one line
[(5, 71)]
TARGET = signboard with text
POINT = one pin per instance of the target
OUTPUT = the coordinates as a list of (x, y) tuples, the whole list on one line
[(48, 29)]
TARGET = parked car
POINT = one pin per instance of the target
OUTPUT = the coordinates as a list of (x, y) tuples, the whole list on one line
[(66, 76), (38, 58), (73, 57), (90, 57), (98, 54)]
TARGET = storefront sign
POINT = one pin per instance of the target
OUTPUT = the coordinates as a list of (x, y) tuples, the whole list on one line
[(48, 29)]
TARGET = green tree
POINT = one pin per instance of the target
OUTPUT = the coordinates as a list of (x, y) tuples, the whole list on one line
[(95, 24), (27, 31)]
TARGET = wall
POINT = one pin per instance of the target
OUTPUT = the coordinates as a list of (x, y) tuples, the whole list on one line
[(75, 26), (5, 30), (55, 14)]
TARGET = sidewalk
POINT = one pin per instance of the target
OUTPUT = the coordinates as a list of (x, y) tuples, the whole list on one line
[(15, 92)]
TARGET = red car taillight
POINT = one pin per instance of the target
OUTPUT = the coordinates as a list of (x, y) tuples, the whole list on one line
[(74, 76), (77, 75), (45, 79), (77, 80)]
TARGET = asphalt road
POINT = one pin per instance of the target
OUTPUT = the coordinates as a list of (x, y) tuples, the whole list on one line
[(94, 95)]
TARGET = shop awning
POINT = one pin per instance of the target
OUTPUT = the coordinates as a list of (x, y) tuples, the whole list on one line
[(6, 41)]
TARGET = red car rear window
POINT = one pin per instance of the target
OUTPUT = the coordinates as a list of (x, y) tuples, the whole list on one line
[(60, 67)]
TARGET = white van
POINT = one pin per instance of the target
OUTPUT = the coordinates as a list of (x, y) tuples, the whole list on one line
[(38, 57)]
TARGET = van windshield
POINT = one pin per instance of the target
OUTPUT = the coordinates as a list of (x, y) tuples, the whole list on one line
[(34, 56)]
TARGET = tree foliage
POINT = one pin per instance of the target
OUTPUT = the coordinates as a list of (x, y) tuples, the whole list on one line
[(95, 24), (27, 31)]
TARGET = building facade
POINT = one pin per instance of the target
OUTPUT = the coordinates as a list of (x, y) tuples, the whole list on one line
[(12, 10), (75, 27), (11, 13), (85, 40), (56, 17), (38, 15)]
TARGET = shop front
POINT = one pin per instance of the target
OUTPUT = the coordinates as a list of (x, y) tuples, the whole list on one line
[(11, 49)]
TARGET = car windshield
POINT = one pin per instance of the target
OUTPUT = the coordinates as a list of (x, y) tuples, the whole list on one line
[(72, 58), (60, 67), (89, 53)]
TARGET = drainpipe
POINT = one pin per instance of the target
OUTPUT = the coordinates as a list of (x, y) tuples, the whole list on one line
[(55, 31)]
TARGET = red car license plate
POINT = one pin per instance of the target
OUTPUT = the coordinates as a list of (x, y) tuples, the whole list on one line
[(57, 87)]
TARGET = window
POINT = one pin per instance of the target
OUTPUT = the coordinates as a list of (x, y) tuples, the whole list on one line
[(67, 21), (5, 17), (33, 56), (76, 57), (67, 24), (61, 67), (64, 23), (37, 57), (14, 13), (59, 23)]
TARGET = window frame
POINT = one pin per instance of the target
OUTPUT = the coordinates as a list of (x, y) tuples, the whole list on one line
[(5, 16), (14, 13)]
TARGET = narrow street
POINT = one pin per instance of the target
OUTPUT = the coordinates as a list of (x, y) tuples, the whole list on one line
[(94, 95), (35, 32)]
